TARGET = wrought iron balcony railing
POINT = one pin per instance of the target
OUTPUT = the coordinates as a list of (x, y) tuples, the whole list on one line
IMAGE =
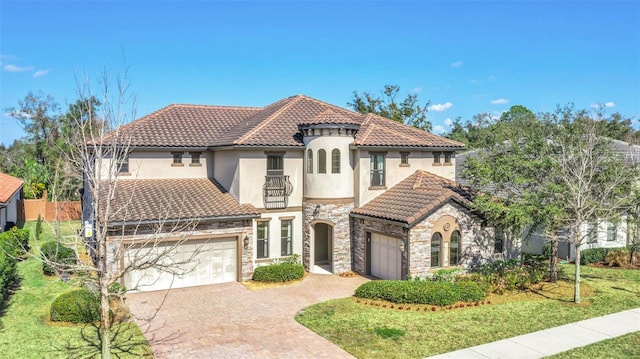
[(276, 191)]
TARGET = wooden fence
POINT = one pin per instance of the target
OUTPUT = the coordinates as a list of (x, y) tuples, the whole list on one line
[(51, 211)]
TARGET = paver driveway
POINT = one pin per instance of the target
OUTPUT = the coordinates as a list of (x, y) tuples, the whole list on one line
[(230, 321)]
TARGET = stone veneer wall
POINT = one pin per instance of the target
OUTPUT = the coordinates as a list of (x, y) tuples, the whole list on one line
[(238, 228), (338, 214), (476, 242), (359, 234)]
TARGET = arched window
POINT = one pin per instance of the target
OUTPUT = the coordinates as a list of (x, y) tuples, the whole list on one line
[(335, 161), (309, 161), (436, 244), (322, 161), (454, 249)]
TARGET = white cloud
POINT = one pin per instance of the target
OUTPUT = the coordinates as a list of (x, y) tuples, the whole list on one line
[(438, 129), (500, 101), (448, 122), (440, 107), (40, 73), (456, 64), (605, 105), (14, 68)]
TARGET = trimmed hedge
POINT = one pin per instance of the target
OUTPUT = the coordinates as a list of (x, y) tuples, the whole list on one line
[(422, 292), (593, 255), (78, 306), (8, 274), (57, 253), (15, 241), (279, 272)]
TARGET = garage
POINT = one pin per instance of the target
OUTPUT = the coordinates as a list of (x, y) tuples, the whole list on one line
[(210, 261), (386, 260)]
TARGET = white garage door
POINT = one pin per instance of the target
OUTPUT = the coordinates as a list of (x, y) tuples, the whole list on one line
[(209, 261), (385, 257)]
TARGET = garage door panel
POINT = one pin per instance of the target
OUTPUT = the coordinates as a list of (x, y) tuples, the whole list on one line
[(207, 262), (385, 257)]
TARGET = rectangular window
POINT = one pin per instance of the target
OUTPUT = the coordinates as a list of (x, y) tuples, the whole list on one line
[(592, 232), (262, 247), (377, 169), (195, 158), (177, 158), (436, 157), (612, 232), (404, 158), (498, 243), (286, 245), (275, 165), (447, 157), (123, 164)]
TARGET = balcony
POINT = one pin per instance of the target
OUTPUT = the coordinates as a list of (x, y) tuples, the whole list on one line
[(276, 191)]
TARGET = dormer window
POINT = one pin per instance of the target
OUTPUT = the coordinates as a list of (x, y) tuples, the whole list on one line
[(177, 159), (195, 159)]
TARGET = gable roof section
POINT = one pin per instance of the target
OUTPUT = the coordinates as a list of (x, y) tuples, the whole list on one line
[(273, 125), (415, 197), (9, 185), (157, 200)]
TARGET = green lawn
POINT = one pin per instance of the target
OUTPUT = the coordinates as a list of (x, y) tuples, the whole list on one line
[(26, 331), (361, 329), (624, 347)]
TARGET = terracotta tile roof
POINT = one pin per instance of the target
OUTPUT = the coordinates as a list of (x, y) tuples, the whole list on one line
[(330, 117), (380, 131), (170, 199), (414, 198), (273, 125), (9, 185)]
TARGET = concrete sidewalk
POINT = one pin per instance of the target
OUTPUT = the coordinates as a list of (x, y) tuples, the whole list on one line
[(554, 340)]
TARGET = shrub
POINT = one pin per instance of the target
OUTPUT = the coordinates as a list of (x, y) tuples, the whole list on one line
[(421, 292), (64, 257), (512, 274), (15, 241), (8, 275), (279, 272), (116, 289), (593, 255), (446, 275), (78, 306)]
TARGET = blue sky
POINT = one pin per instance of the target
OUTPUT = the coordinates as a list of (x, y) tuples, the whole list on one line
[(464, 57)]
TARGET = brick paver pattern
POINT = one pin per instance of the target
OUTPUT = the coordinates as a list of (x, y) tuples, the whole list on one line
[(230, 321)]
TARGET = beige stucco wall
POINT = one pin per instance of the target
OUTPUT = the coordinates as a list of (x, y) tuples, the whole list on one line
[(226, 170), (158, 165), (329, 185), (394, 172)]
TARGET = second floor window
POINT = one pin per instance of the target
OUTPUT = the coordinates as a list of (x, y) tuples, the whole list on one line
[(322, 161), (404, 158), (335, 161), (309, 161), (436, 157), (195, 158), (177, 158), (447, 157), (275, 165), (123, 164), (377, 169)]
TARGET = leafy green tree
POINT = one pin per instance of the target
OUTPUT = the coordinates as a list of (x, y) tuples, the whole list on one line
[(407, 111)]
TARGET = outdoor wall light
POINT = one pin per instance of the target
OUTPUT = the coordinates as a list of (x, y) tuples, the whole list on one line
[(245, 242), (401, 246)]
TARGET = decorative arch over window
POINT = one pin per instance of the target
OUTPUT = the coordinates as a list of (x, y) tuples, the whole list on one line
[(436, 245), (454, 249), (322, 161), (309, 161), (335, 161)]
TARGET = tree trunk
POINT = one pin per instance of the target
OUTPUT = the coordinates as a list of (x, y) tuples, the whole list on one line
[(576, 291), (553, 270), (105, 340)]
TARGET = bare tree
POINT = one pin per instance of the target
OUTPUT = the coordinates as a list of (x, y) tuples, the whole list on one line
[(115, 238)]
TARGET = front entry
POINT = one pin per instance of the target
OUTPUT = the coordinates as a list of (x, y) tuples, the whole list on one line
[(322, 246)]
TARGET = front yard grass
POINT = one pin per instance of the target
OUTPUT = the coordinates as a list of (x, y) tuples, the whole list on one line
[(355, 326), (624, 347), (26, 330)]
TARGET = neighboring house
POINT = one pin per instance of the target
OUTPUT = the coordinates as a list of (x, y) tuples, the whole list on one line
[(343, 190), (11, 201), (598, 234)]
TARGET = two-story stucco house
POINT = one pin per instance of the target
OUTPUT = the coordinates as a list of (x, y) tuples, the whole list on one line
[(345, 191)]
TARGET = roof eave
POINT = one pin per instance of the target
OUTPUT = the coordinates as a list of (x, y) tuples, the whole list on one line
[(380, 219), (421, 148), (197, 219)]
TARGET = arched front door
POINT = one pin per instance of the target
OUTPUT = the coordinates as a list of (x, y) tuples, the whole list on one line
[(323, 245)]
